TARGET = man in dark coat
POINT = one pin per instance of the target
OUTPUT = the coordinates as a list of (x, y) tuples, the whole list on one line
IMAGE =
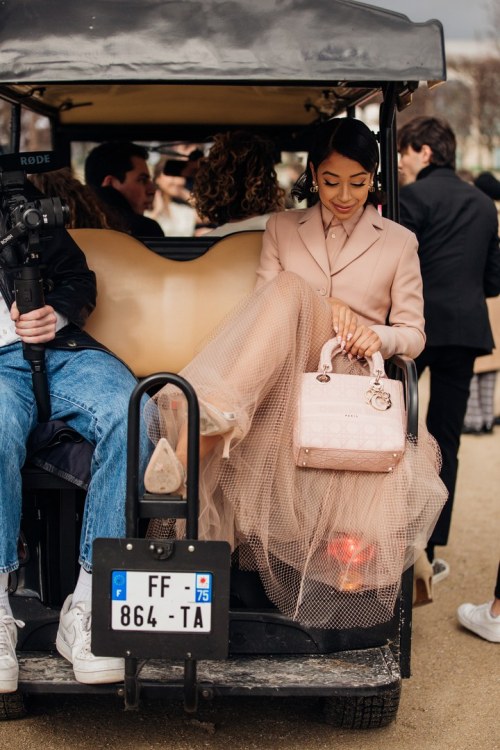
[(457, 229)]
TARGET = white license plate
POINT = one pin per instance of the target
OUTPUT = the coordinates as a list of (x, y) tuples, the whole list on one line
[(161, 602)]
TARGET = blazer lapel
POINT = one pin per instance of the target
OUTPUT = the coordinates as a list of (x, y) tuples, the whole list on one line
[(365, 233), (312, 234)]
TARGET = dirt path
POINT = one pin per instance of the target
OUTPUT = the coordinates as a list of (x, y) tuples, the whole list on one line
[(452, 701)]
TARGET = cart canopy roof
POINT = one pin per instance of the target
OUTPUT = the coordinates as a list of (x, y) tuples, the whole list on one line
[(206, 40), (84, 63)]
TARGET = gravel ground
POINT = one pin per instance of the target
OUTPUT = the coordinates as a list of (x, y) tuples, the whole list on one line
[(451, 702)]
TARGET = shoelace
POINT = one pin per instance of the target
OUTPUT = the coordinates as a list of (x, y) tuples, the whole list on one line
[(5, 637)]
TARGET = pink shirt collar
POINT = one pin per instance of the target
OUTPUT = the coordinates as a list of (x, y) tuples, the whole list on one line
[(329, 220)]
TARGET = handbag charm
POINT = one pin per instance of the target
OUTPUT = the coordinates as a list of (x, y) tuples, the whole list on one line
[(376, 396)]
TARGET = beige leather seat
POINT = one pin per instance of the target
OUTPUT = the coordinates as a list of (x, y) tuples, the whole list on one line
[(154, 312)]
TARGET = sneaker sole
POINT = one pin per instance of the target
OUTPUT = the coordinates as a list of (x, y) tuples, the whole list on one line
[(103, 677), (106, 677), (491, 637), (8, 686)]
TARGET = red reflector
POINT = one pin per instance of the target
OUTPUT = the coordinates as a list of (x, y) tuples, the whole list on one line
[(350, 550)]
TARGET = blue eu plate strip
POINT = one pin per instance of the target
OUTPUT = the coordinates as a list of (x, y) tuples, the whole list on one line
[(119, 585)]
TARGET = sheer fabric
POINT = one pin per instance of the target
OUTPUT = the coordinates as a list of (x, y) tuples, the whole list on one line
[(330, 546)]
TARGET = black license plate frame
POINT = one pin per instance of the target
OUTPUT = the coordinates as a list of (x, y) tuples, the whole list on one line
[(159, 558)]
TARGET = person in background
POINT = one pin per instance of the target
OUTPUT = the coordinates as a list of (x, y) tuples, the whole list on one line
[(483, 619), (85, 209), (189, 168), (480, 414), (171, 206), (457, 230), (236, 187), (119, 175)]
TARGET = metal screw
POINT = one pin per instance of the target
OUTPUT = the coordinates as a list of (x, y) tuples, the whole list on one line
[(129, 653), (129, 546), (191, 548), (188, 655)]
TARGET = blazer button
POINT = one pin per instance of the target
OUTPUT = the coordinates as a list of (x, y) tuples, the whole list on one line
[(322, 291)]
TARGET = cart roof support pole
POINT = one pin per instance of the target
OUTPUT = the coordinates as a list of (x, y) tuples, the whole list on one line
[(388, 151)]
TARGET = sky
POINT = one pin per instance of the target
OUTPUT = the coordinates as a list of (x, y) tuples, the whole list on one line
[(461, 19)]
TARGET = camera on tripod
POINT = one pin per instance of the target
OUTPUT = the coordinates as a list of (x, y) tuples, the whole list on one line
[(24, 219), (23, 222), (37, 215)]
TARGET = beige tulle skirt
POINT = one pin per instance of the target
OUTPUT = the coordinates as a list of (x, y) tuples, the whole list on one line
[(330, 546)]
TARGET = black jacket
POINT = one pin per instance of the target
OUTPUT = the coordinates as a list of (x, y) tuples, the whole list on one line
[(127, 219), (69, 284), (457, 230)]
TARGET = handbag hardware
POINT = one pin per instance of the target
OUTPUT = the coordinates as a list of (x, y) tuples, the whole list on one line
[(375, 395)]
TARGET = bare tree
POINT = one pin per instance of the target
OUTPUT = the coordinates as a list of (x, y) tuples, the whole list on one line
[(481, 77), (451, 100), (493, 7)]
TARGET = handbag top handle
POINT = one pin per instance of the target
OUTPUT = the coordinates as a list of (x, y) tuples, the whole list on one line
[(332, 347), (375, 395)]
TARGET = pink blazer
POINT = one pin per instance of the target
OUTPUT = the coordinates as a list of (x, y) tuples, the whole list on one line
[(377, 273)]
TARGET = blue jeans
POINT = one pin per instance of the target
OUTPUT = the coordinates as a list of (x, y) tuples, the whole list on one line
[(90, 390)]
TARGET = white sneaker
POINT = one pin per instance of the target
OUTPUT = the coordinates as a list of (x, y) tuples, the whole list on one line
[(9, 668), (73, 642), (478, 618)]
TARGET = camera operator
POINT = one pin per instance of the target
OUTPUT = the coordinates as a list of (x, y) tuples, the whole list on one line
[(89, 388)]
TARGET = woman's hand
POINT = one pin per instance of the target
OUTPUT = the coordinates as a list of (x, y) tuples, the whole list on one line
[(363, 343), (345, 321), (35, 327)]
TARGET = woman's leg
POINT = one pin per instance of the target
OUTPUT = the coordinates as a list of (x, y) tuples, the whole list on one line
[(246, 355), (252, 367), (497, 587)]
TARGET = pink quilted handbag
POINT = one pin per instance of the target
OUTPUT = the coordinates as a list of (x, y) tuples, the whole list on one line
[(349, 422)]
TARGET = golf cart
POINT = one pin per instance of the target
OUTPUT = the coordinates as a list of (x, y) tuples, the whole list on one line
[(164, 73)]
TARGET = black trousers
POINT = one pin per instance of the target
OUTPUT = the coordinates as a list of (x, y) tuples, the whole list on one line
[(497, 585), (451, 369)]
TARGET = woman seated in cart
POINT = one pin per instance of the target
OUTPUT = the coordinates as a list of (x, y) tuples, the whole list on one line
[(335, 269)]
